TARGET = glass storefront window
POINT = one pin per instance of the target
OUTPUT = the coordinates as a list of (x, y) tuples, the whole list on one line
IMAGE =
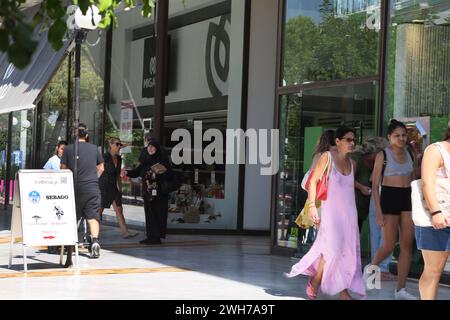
[(52, 118), (3, 148), (200, 69), (92, 84), (418, 68), (21, 143), (329, 40), (303, 117)]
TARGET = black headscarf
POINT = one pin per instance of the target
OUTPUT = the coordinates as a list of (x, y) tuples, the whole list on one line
[(146, 160)]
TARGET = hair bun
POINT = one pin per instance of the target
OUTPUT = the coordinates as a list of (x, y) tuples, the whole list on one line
[(393, 121)]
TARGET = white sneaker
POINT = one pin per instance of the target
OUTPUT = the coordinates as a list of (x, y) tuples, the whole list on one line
[(402, 294)]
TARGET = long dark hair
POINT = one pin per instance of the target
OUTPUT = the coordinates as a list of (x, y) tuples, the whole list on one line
[(342, 131), (394, 124), (326, 140), (447, 134)]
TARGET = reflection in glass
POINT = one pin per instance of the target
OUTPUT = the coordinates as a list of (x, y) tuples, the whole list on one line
[(329, 40), (303, 117), (91, 87), (418, 64), (53, 115), (3, 148), (21, 143)]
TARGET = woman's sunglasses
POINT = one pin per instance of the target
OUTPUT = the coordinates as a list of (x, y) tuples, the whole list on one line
[(119, 144), (349, 140)]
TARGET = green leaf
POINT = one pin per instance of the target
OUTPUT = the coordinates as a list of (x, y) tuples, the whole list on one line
[(19, 57), (4, 40), (55, 10), (84, 5), (56, 34), (104, 5), (22, 36), (105, 22), (147, 10)]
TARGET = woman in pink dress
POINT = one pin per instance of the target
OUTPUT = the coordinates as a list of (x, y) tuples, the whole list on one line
[(334, 263)]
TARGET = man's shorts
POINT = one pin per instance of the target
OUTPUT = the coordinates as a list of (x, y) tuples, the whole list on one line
[(87, 204)]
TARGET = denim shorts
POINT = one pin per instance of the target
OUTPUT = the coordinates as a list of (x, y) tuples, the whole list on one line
[(428, 238)]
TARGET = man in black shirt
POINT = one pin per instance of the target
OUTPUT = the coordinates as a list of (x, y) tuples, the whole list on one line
[(87, 191)]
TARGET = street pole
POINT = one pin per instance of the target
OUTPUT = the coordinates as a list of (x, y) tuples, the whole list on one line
[(78, 40), (8, 161), (162, 17)]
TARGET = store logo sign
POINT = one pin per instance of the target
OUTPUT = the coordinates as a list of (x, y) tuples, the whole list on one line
[(217, 69), (257, 141), (34, 197), (149, 69)]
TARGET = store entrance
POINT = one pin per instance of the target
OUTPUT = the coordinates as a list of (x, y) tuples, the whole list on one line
[(303, 118)]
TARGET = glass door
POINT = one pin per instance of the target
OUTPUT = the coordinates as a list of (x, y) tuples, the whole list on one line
[(303, 118)]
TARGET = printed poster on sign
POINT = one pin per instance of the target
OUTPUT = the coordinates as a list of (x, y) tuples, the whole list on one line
[(126, 125), (47, 207)]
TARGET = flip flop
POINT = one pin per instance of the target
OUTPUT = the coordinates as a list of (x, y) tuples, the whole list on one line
[(131, 235)]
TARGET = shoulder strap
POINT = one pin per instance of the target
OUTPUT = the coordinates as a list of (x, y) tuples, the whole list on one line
[(327, 168), (410, 152), (384, 164)]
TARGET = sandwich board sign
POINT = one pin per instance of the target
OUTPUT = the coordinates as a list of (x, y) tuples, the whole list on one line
[(44, 212)]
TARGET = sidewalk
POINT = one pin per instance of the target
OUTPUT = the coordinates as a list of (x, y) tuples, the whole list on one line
[(189, 267), (185, 267)]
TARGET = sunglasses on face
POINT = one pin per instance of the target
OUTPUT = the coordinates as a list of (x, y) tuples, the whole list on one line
[(117, 144), (349, 140)]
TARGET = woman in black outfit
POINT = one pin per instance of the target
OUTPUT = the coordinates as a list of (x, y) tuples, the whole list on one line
[(156, 202), (110, 185)]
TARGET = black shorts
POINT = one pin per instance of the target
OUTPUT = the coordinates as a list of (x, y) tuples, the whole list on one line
[(395, 200), (88, 204)]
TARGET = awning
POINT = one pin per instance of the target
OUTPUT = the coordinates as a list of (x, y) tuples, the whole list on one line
[(20, 88)]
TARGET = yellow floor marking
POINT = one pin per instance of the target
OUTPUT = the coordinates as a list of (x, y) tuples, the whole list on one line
[(87, 272), (164, 244)]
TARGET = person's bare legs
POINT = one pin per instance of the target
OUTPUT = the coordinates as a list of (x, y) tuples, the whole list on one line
[(406, 243), (317, 279), (120, 219), (94, 227), (434, 266), (389, 234), (344, 295)]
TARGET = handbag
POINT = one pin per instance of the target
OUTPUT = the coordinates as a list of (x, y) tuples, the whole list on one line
[(322, 183), (305, 179), (303, 220), (420, 211)]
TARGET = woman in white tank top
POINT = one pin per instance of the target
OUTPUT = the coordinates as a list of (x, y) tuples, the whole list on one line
[(434, 241)]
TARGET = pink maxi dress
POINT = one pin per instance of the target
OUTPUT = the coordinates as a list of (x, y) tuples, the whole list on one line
[(337, 240)]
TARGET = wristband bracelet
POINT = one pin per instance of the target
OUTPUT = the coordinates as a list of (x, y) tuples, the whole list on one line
[(435, 213)]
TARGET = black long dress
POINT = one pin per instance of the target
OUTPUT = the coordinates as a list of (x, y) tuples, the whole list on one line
[(156, 207), (108, 181)]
